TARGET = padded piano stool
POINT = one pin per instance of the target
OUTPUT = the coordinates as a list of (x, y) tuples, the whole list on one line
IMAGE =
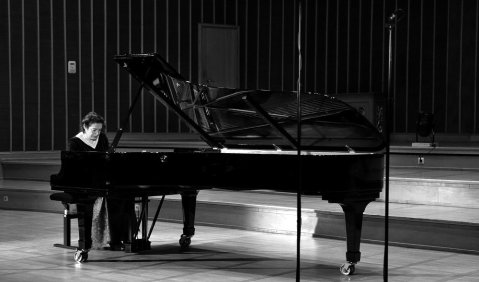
[(66, 199)]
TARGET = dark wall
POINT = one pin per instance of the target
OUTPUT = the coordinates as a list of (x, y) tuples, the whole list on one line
[(344, 50)]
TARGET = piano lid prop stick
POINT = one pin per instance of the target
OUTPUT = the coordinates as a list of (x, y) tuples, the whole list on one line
[(281, 131), (119, 132)]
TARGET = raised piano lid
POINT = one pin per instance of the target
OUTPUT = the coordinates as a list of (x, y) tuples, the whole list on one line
[(255, 119)]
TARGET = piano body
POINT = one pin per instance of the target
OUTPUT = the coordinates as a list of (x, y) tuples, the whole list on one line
[(253, 142)]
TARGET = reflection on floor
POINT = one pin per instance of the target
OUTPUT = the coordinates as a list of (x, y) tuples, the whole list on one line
[(216, 254)]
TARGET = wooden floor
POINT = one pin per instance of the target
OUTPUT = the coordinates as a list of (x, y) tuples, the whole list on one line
[(433, 209), (216, 254)]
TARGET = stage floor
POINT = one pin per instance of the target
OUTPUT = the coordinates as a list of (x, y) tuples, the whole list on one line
[(216, 254)]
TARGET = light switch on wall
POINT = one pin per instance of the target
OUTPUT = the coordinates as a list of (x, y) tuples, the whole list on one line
[(72, 67)]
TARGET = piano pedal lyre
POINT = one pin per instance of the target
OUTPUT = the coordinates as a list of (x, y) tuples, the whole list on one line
[(140, 224)]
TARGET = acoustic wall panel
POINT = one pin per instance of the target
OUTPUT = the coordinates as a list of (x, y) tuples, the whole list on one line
[(343, 48)]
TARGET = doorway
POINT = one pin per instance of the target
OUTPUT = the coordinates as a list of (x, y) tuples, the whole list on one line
[(218, 55)]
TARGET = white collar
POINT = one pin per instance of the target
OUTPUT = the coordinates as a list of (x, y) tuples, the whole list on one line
[(87, 141)]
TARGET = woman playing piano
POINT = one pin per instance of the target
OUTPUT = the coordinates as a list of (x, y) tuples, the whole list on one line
[(91, 136), (106, 216)]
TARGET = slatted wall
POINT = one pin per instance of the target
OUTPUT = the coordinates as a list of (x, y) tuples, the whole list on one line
[(343, 50)]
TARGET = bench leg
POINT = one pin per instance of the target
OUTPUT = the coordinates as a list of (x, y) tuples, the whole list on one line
[(66, 228)]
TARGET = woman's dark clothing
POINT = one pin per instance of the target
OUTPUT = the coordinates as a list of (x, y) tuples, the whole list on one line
[(76, 144), (105, 219)]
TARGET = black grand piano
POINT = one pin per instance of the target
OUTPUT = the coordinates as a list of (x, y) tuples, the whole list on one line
[(253, 144)]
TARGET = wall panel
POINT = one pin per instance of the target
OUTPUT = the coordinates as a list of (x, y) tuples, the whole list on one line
[(173, 55), (162, 114), (231, 11), (320, 49), (441, 34), (344, 49), (364, 46), (219, 12), (59, 82), (46, 78), (30, 67), (454, 45), (97, 46), (264, 45), (5, 79), (354, 39), (467, 91), (73, 109), (414, 61), (307, 48), (276, 48), (148, 41), (342, 45), (378, 51), (85, 69), (112, 113), (252, 39), (426, 68), (242, 13), (401, 44), (17, 75), (207, 11), (124, 47), (476, 73)]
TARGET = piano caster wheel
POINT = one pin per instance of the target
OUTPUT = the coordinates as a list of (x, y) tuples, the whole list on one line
[(81, 256), (185, 241), (347, 268)]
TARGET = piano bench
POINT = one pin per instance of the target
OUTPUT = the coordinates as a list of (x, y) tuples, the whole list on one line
[(66, 199)]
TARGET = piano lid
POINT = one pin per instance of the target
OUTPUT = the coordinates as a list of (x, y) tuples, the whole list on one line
[(254, 119)]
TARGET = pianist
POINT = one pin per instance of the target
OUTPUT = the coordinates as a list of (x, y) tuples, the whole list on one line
[(107, 215), (91, 136)]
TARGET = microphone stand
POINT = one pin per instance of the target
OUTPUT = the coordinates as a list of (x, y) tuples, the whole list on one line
[(298, 116), (391, 22)]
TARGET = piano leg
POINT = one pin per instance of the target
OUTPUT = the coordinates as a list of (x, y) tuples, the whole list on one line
[(188, 201), (353, 213)]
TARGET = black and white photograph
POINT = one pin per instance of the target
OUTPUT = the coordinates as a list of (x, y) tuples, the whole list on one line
[(239, 140)]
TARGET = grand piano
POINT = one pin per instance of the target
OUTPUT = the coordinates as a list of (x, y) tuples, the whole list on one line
[(253, 143)]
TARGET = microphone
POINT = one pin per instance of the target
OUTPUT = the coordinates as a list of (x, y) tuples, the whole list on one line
[(397, 15)]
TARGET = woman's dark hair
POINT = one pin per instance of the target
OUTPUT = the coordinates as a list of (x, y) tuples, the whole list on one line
[(91, 118)]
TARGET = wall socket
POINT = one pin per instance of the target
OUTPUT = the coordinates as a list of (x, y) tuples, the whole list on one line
[(420, 160), (5, 198)]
